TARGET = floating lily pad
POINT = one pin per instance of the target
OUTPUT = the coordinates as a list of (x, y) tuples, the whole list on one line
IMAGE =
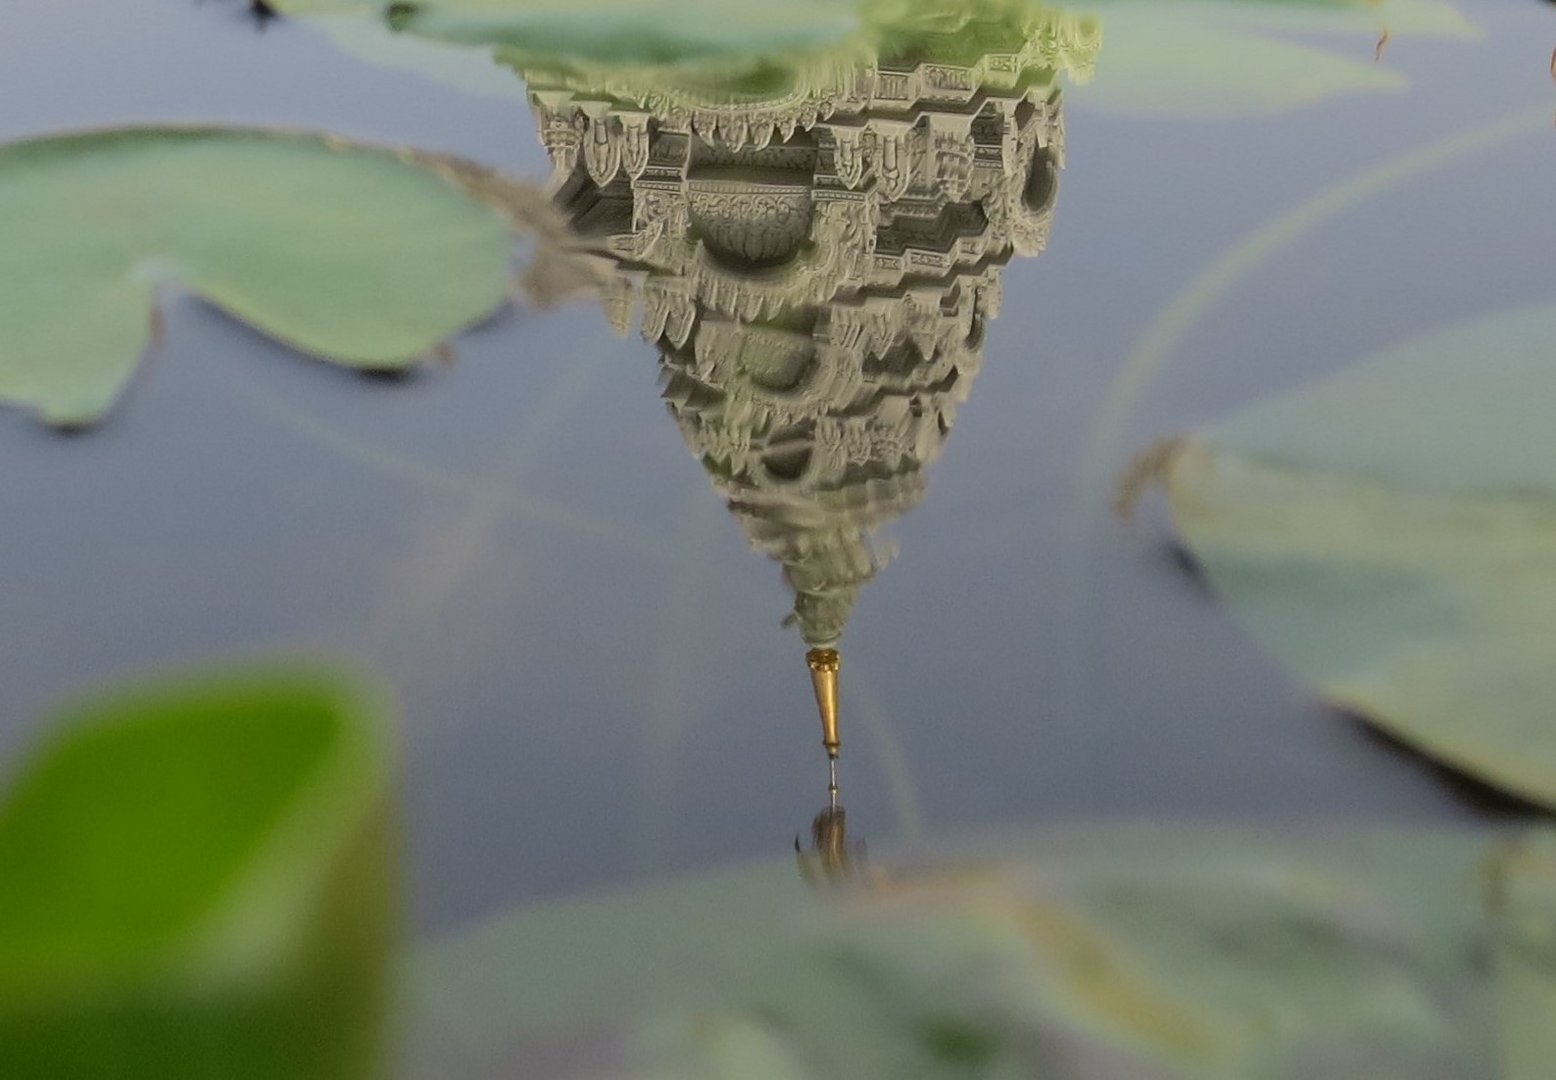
[(358, 255), (1440, 19), (1158, 64), (473, 70), (758, 65), (1524, 899), (195, 882), (1195, 58), (628, 31), (1119, 952), (1219, 58), (1390, 533)]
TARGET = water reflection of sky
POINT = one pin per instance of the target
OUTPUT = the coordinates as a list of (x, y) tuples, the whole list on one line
[(591, 665)]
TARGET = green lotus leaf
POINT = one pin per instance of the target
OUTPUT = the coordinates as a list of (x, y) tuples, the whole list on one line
[(628, 31), (1390, 534), (195, 881), (1219, 58), (1439, 19), (362, 256), (1108, 951), (1158, 64), (470, 69), (1524, 894)]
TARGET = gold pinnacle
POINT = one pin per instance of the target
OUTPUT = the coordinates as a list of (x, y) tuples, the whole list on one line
[(824, 664)]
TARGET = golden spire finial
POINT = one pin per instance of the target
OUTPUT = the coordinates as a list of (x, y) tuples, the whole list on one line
[(824, 665)]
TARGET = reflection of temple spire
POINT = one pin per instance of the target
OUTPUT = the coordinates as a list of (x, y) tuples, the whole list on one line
[(829, 860), (816, 250)]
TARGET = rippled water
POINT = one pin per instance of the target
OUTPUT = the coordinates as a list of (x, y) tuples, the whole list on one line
[(594, 680)]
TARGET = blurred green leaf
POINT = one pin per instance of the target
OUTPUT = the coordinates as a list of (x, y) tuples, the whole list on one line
[(473, 70), (1215, 58), (195, 882), (1157, 63), (762, 67), (1439, 19), (1193, 58), (1390, 533), (1524, 891), (631, 31), (1119, 952), (359, 255)]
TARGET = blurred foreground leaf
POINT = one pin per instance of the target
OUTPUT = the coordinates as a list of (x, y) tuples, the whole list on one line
[(1525, 896), (359, 255), (1390, 533), (1124, 953), (195, 883), (1217, 58)]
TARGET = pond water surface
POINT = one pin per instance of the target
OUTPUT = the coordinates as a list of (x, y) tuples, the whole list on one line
[(595, 682)]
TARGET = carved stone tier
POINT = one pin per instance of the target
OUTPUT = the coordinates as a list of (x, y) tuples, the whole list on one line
[(816, 265)]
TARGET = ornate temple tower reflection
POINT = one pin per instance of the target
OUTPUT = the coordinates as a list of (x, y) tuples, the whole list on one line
[(816, 247)]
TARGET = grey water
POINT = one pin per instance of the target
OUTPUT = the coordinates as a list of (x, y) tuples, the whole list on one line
[(589, 664)]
